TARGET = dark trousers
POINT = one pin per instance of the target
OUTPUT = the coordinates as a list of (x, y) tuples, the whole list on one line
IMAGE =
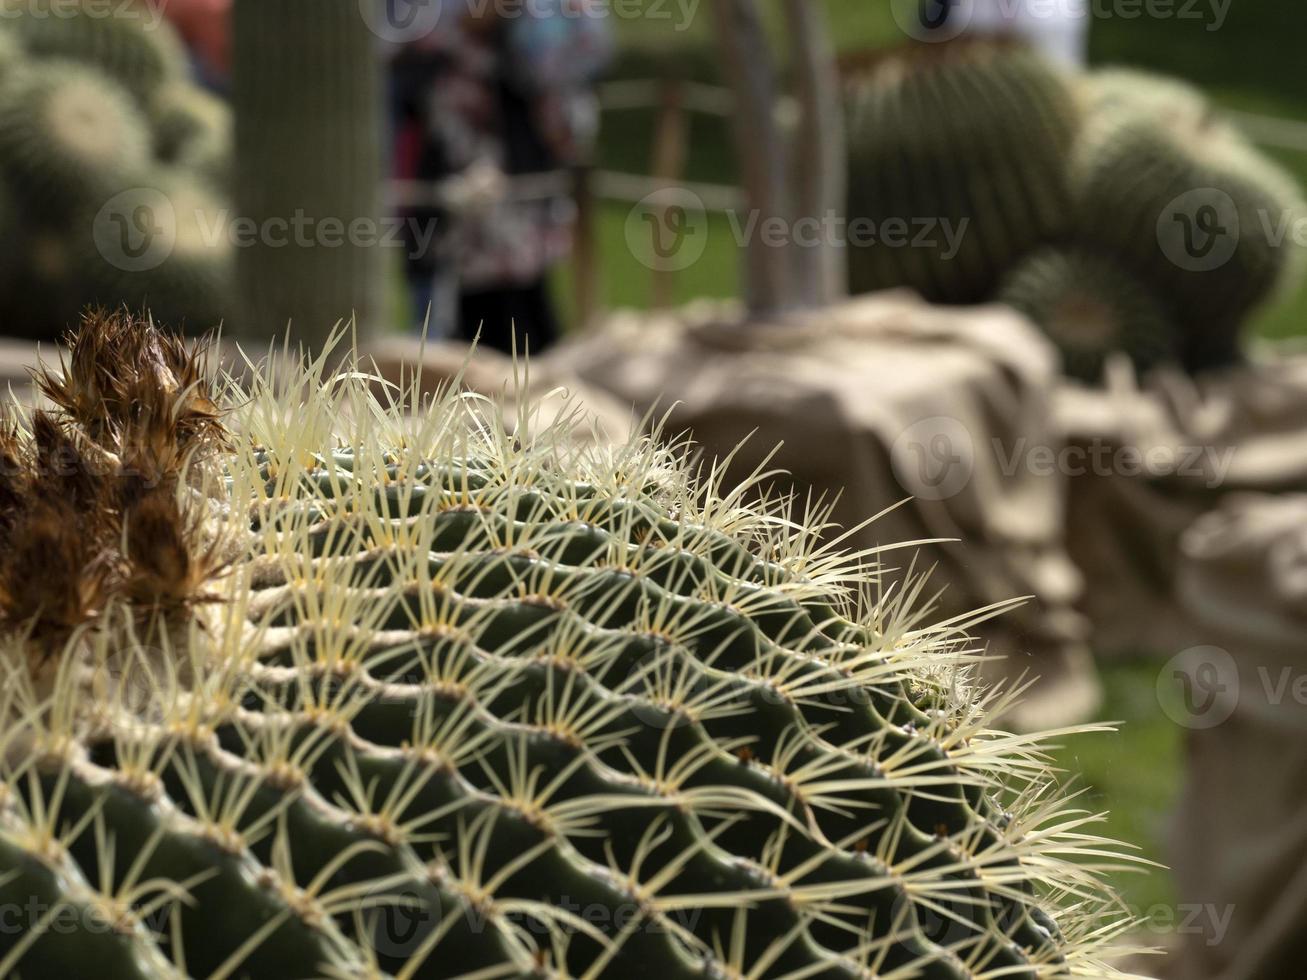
[(498, 314)]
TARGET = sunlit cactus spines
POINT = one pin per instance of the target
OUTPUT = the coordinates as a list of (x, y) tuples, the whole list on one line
[(1090, 307), (324, 677), (971, 135)]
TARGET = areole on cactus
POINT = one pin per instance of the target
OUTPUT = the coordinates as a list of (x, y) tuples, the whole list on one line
[(313, 676)]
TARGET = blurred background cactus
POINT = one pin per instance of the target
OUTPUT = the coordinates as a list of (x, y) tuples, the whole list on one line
[(1088, 306), (1170, 190), (117, 167), (1182, 229), (973, 133), (313, 151)]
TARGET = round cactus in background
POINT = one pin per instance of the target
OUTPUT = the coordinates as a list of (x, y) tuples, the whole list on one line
[(322, 678), (130, 42), (69, 137), (1170, 102), (181, 267), (193, 130), (1181, 198), (1090, 307), (97, 115), (970, 138)]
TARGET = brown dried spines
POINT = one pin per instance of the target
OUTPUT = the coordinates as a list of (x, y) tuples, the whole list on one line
[(127, 382), (96, 506), (167, 557), (54, 569)]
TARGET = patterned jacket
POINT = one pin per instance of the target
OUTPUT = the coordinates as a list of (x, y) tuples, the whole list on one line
[(516, 95)]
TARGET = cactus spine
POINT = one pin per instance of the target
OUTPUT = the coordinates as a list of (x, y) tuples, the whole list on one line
[(336, 687), (970, 133), (312, 152)]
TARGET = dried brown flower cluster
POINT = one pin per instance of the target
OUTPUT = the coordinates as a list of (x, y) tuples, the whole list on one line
[(100, 498)]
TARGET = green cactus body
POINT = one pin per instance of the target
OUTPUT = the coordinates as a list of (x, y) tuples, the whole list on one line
[(131, 43), (1089, 307), (437, 701), (69, 138), (1184, 201), (190, 279), (975, 134), (1169, 102), (11, 53), (193, 131), (311, 154)]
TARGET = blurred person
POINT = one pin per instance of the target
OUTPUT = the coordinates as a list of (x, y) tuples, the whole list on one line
[(491, 93)]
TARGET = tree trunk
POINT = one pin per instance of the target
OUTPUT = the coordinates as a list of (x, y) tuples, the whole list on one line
[(307, 94)]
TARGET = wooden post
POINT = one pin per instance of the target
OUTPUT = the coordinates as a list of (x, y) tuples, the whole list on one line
[(761, 151), (669, 152), (585, 250), (821, 154)]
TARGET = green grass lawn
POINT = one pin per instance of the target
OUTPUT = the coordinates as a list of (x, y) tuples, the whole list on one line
[(1134, 775)]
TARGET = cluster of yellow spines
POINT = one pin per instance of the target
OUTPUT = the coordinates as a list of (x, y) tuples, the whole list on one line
[(471, 695)]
